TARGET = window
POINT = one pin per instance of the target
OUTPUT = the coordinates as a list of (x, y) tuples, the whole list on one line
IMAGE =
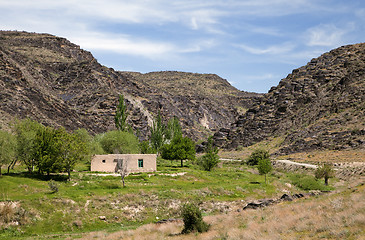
[(140, 163), (103, 161)]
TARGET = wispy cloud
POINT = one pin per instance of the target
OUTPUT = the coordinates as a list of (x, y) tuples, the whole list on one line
[(124, 44), (327, 35), (274, 49), (219, 36)]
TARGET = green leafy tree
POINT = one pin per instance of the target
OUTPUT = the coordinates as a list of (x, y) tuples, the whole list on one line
[(121, 115), (210, 159), (264, 166), (256, 155), (325, 171), (93, 145), (158, 131), (46, 151), (180, 148), (173, 129), (7, 148), (72, 148), (146, 147), (193, 220), (119, 142), (26, 131)]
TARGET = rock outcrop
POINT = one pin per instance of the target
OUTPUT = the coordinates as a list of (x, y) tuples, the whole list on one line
[(53, 81), (318, 106)]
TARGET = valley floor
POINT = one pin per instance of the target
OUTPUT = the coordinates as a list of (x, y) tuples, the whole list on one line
[(93, 206)]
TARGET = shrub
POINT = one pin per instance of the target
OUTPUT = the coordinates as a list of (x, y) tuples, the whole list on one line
[(257, 155), (192, 219), (325, 171), (53, 186), (210, 159), (306, 182), (120, 142)]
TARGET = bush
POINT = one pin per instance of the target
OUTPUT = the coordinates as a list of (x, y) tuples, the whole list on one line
[(210, 159), (257, 155), (306, 182), (53, 186), (192, 218), (325, 171), (120, 142)]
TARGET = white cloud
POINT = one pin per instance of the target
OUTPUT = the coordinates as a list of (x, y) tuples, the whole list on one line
[(127, 45), (326, 35), (275, 49)]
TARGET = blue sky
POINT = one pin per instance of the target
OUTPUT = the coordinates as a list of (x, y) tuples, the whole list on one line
[(251, 43)]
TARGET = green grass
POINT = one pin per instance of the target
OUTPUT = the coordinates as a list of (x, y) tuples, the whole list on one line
[(76, 207), (306, 182)]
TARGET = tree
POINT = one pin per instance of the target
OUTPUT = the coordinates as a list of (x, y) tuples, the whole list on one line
[(210, 159), (7, 148), (46, 151), (158, 130), (256, 155), (92, 144), (192, 218), (325, 171), (146, 147), (119, 142), (180, 148), (122, 166), (121, 115), (26, 131), (173, 129), (71, 149), (264, 166)]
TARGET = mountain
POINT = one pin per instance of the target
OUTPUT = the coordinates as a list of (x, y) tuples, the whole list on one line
[(318, 106), (53, 81)]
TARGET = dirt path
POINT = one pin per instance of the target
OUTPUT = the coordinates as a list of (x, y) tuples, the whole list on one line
[(298, 164)]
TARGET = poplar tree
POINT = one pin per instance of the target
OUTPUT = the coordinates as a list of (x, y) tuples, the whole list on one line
[(121, 115)]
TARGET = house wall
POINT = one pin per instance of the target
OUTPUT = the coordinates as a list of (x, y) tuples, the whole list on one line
[(107, 163)]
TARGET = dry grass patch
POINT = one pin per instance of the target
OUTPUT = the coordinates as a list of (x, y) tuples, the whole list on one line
[(328, 156), (333, 216)]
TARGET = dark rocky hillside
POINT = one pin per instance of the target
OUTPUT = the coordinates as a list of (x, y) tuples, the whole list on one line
[(318, 106), (53, 81)]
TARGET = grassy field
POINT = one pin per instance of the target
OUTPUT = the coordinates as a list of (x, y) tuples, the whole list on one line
[(90, 202)]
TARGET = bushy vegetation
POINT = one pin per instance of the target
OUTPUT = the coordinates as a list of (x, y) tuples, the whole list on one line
[(7, 148), (210, 159), (325, 171), (119, 142), (192, 218), (256, 155), (307, 182), (180, 148)]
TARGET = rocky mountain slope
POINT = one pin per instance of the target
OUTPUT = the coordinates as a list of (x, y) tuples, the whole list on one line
[(53, 81), (317, 106)]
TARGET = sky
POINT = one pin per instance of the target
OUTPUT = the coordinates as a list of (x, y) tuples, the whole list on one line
[(251, 43)]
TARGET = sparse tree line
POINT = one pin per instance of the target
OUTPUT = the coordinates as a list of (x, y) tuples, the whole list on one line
[(41, 149), (46, 150)]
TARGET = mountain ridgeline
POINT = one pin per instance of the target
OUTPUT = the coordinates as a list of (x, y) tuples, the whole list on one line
[(53, 81), (318, 106)]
